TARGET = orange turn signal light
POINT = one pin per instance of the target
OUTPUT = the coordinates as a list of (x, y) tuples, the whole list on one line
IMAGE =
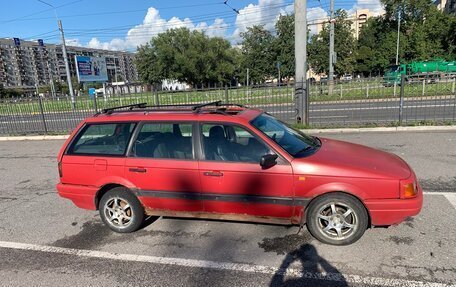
[(410, 190)]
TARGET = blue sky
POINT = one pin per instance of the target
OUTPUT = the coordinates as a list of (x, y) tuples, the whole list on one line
[(122, 25)]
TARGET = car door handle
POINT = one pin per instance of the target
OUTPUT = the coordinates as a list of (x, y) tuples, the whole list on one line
[(213, 173), (137, 169)]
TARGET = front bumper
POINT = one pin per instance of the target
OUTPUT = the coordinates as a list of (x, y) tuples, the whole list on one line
[(393, 211)]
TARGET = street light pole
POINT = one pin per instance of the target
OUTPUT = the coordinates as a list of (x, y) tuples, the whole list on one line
[(65, 56), (67, 65), (331, 49), (302, 101), (397, 48), (278, 68), (398, 33)]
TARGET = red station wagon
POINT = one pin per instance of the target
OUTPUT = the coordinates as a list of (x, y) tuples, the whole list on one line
[(230, 162)]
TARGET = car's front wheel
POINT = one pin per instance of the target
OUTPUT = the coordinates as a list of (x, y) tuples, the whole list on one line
[(336, 219), (121, 211)]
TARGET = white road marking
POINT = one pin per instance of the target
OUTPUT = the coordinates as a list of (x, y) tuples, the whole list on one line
[(450, 196), (335, 277), (328, 117)]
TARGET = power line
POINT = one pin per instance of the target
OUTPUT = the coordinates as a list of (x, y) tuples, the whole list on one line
[(40, 12), (117, 32), (107, 35), (196, 18), (199, 18), (121, 12), (235, 10)]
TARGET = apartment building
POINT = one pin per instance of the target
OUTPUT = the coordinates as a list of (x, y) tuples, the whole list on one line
[(358, 19), (25, 64), (448, 6)]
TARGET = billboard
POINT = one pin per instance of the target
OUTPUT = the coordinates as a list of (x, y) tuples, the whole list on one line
[(91, 69)]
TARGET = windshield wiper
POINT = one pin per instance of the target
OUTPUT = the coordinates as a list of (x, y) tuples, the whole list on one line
[(317, 141), (305, 149)]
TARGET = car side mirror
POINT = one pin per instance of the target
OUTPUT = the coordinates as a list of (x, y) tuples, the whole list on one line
[(268, 160)]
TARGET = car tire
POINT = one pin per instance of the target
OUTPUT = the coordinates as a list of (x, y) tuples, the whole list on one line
[(336, 219), (121, 210)]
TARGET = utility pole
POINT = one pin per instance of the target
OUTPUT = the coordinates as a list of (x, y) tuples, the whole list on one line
[(331, 48), (67, 65), (398, 33), (397, 47), (278, 68), (302, 107)]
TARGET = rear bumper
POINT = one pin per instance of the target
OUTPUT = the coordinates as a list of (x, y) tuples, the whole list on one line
[(393, 211), (82, 196)]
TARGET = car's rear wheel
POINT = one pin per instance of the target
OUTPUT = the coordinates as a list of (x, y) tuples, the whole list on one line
[(121, 211), (337, 219)]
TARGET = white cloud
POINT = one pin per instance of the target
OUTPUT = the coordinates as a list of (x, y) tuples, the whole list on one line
[(152, 25), (217, 29), (265, 12), (315, 17), (374, 6)]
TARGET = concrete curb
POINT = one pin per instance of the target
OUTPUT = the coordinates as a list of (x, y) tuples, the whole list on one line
[(308, 131), (34, 138)]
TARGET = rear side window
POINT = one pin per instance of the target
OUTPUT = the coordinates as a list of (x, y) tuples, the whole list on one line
[(164, 140), (103, 139)]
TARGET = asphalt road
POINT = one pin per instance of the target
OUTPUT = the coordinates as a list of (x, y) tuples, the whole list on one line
[(371, 111), (68, 246), (321, 114)]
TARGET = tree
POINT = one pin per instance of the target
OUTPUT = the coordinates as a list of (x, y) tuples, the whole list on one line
[(344, 46), (9, 93), (258, 53), (149, 69), (187, 56), (284, 45), (425, 34), (377, 46)]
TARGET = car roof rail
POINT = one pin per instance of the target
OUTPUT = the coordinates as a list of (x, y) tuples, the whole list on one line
[(198, 107), (130, 107), (220, 108)]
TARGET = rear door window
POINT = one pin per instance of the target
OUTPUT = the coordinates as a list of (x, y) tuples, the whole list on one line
[(164, 140), (103, 139)]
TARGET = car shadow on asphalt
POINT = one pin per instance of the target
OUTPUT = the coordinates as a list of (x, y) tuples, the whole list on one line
[(314, 270)]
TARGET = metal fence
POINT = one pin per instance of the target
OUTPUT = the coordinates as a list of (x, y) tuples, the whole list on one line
[(360, 102)]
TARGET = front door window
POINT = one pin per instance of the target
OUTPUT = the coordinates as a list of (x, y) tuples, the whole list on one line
[(232, 144)]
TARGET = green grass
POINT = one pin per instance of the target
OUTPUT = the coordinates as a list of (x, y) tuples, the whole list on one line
[(252, 96)]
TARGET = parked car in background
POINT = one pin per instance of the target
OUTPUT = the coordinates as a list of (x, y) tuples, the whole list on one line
[(230, 162), (347, 77)]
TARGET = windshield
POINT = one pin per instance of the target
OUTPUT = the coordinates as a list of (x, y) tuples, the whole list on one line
[(393, 68), (295, 142)]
